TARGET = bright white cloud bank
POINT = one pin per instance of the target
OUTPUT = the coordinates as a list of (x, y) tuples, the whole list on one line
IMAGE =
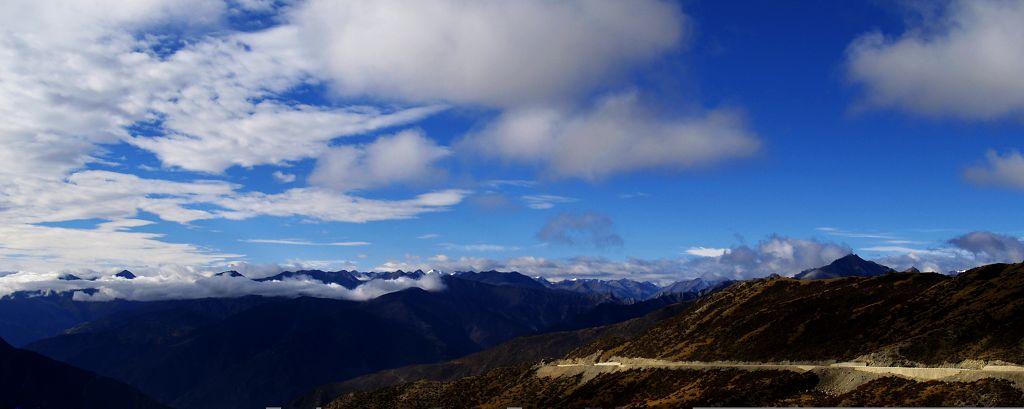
[(491, 52), (965, 63), (191, 285)]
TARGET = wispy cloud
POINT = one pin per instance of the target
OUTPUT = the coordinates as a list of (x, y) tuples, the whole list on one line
[(500, 183), (541, 202), (706, 251), (860, 235), (295, 242), (428, 236), (478, 247), (592, 229), (904, 250), (633, 195)]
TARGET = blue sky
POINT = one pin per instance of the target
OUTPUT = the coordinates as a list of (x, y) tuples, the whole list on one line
[(654, 140)]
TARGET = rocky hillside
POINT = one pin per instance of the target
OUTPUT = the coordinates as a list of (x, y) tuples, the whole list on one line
[(904, 318)]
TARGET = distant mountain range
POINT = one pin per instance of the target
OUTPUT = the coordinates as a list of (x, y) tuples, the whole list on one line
[(27, 317), (257, 351)]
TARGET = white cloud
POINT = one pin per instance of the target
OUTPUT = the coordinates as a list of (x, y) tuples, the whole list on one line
[(541, 202), (81, 76), (34, 248), (113, 196), (407, 156), (490, 52), (706, 251), (219, 110), (428, 236), (965, 63), (210, 104), (1001, 170), (329, 205), (294, 242), (616, 135), (167, 285), (107, 195), (283, 177)]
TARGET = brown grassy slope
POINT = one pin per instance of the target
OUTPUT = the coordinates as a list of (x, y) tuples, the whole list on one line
[(925, 318)]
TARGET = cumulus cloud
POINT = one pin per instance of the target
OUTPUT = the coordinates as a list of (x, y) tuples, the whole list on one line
[(489, 52), (591, 229), (1001, 170), (616, 135), (407, 156), (991, 247), (965, 63)]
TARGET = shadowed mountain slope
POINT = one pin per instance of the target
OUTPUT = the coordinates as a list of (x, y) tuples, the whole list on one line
[(31, 381)]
